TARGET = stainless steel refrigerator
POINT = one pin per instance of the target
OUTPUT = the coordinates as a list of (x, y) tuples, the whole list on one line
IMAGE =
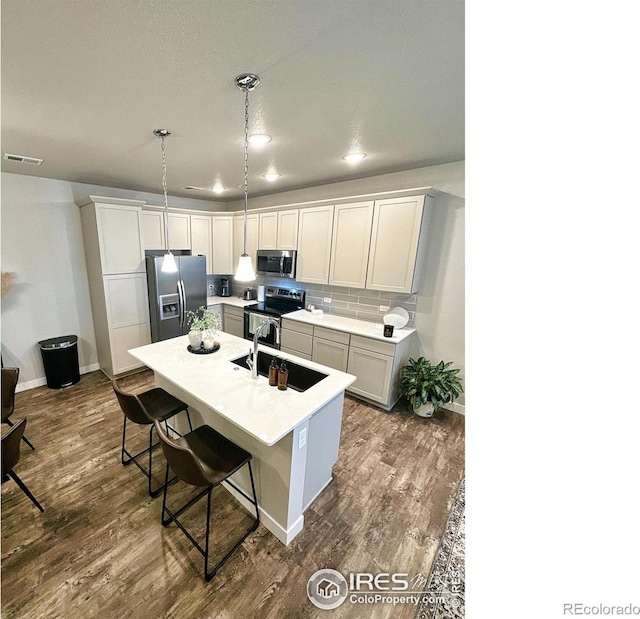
[(172, 295)]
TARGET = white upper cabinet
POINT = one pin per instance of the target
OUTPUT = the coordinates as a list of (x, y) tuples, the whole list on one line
[(119, 230), (314, 244), (398, 243), (179, 231), (287, 230), (268, 234), (153, 229), (201, 238), (278, 230), (222, 252), (350, 244), (238, 238)]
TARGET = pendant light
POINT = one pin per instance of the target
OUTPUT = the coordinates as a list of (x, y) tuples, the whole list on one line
[(168, 262), (245, 271)]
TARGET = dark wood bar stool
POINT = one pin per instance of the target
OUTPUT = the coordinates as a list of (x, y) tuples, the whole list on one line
[(9, 383), (204, 458), (11, 457), (143, 409)]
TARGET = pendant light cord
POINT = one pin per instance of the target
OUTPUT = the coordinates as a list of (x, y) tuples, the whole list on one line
[(164, 189), (246, 164)]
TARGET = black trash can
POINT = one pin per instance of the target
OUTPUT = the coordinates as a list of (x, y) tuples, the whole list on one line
[(60, 359)]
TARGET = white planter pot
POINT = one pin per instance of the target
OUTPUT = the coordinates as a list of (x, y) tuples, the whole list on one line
[(195, 338), (426, 410)]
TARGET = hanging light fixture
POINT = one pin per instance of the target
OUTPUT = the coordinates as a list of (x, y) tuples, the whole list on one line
[(245, 271), (168, 262)]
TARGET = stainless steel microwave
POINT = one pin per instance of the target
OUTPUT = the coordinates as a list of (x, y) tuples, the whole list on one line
[(277, 262)]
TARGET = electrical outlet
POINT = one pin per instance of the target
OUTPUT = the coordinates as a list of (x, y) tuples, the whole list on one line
[(384, 308), (327, 300), (302, 438)]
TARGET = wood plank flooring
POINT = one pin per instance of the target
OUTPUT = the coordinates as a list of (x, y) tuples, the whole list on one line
[(99, 550)]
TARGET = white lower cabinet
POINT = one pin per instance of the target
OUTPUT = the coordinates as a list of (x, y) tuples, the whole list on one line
[(331, 348), (233, 320), (296, 338), (374, 374), (376, 364)]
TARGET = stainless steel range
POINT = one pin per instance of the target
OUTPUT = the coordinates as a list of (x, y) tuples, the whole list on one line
[(277, 303)]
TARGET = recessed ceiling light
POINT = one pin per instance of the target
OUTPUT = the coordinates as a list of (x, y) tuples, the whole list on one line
[(354, 157), (218, 189), (259, 139), (271, 176)]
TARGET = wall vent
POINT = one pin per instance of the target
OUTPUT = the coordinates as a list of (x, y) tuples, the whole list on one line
[(22, 159), (193, 188)]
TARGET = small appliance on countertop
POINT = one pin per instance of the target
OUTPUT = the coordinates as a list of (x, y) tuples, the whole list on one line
[(248, 294), (225, 287)]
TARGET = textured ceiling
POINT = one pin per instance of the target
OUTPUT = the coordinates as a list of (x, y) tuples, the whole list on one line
[(85, 83)]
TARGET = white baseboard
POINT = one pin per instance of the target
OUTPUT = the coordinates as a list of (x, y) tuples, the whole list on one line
[(38, 382), (453, 406), (284, 535)]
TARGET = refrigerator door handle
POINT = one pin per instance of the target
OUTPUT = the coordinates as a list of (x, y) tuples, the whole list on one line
[(181, 303)]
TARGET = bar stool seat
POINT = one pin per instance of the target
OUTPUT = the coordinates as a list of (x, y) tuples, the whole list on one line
[(204, 457), (155, 404)]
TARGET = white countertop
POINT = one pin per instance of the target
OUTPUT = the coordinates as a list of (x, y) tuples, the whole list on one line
[(260, 410), (232, 300), (365, 328)]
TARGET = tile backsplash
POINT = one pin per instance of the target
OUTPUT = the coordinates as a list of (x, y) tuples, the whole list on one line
[(350, 302)]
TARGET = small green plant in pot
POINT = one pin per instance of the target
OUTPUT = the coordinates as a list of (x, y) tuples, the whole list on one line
[(428, 387), (205, 325)]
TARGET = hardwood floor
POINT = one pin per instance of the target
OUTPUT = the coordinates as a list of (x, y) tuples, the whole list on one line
[(99, 550)]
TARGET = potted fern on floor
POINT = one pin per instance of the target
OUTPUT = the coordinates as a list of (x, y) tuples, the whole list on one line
[(427, 387)]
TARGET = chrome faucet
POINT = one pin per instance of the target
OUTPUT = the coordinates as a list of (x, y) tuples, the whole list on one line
[(252, 361)]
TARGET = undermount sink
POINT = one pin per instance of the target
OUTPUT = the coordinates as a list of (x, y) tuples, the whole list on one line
[(301, 378)]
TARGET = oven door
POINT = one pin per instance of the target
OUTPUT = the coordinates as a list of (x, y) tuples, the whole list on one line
[(252, 320)]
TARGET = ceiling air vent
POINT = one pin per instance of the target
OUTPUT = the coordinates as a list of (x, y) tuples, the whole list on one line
[(193, 188), (22, 159)]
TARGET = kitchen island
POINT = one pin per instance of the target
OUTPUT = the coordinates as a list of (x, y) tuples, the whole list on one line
[(293, 436)]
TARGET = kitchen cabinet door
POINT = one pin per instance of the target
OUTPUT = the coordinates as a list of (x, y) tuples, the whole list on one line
[(179, 231), (287, 230), (119, 230), (315, 227), (153, 230), (268, 233), (238, 238), (127, 311), (222, 233), (332, 354), (350, 244), (374, 371), (396, 231), (201, 239), (233, 318)]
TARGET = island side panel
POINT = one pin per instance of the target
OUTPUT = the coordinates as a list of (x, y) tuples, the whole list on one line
[(323, 442)]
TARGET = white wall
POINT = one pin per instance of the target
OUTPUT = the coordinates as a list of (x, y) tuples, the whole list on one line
[(42, 244)]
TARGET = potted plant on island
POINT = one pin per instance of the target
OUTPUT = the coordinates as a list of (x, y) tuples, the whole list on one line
[(205, 324), (428, 387)]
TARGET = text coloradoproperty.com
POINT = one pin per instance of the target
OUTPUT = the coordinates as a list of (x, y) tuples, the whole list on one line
[(600, 609)]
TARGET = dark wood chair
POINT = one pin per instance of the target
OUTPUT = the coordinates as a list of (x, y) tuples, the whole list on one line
[(9, 383), (11, 456), (204, 458), (143, 409)]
